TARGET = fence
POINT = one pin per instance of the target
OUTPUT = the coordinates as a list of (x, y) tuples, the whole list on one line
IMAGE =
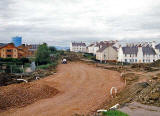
[(12, 68)]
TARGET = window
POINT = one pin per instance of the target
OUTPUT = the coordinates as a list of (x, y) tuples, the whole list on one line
[(9, 50), (130, 55), (9, 56), (125, 55), (143, 60), (135, 60), (130, 60), (125, 60)]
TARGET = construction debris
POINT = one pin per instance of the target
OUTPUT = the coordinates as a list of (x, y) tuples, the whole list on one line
[(150, 95)]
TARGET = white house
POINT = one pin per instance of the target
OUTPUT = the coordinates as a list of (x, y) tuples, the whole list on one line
[(78, 47), (137, 54), (107, 53), (157, 48), (93, 48)]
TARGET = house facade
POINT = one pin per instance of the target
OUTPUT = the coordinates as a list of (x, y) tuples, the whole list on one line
[(32, 49), (107, 53), (8, 51), (78, 47), (137, 54), (93, 48)]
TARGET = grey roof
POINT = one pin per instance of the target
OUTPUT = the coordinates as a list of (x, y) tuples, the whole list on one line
[(78, 44), (148, 50), (115, 48), (102, 49), (134, 50), (158, 46), (106, 46), (90, 45), (130, 50)]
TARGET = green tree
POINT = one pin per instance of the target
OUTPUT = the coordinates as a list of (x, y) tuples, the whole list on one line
[(43, 54), (52, 49)]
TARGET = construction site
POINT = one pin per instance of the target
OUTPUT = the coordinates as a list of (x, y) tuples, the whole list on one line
[(82, 87)]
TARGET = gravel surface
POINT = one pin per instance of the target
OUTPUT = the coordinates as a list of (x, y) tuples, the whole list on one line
[(137, 109)]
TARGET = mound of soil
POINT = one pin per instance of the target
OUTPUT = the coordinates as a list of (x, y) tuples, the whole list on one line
[(19, 95)]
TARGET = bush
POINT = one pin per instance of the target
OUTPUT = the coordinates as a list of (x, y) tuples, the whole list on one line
[(89, 56), (47, 66)]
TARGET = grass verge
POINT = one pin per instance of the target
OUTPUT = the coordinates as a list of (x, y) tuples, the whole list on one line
[(114, 113)]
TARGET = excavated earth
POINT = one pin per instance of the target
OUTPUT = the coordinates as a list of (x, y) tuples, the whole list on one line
[(76, 88)]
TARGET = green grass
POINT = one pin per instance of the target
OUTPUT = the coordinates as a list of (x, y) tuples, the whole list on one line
[(114, 113)]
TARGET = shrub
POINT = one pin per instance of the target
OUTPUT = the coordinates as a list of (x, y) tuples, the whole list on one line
[(47, 66)]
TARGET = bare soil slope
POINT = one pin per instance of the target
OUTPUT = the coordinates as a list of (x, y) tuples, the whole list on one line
[(83, 88)]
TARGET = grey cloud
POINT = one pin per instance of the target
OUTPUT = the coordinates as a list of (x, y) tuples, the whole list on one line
[(60, 21)]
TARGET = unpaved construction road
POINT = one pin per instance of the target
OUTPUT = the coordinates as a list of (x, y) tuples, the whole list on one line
[(83, 88)]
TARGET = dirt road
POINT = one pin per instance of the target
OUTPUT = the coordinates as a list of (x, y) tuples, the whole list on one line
[(83, 88)]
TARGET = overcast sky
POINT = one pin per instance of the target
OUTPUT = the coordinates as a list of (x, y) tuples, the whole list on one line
[(58, 22)]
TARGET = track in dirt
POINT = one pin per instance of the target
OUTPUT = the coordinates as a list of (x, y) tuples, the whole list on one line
[(83, 88)]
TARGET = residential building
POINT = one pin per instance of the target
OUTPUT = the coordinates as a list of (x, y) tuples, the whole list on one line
[(17, 41), (23, 51), (78, 47), (91, 48), (32, 49), (107, 53), (157, 48), (8, 50), (140, 53), (94, 47)]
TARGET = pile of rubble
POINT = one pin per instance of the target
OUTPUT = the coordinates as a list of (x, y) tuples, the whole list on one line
[(6, 79), (19, 95), (155, 64), (150, 95), (144, 67)]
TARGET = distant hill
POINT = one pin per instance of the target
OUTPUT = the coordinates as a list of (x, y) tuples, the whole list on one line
[(61, 48)]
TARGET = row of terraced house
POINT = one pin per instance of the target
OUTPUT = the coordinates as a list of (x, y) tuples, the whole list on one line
[(146, 52)]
